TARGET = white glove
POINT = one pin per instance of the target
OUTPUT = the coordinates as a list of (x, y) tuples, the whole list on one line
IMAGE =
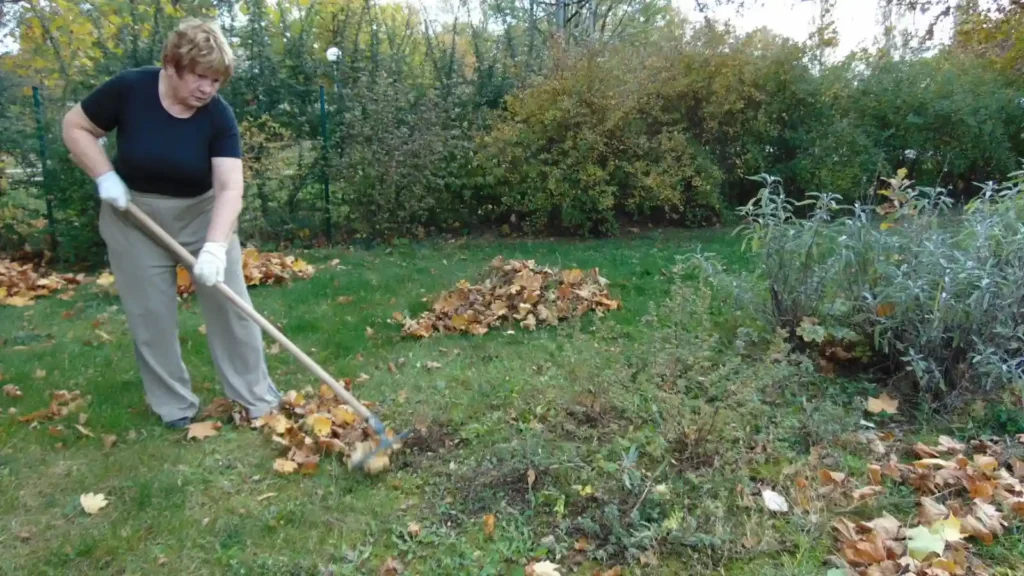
[(113, 190), (210, 265)]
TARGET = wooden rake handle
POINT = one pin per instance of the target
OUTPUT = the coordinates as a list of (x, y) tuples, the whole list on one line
[(267, 327)]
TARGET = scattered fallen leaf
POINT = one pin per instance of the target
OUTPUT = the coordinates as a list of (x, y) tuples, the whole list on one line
[(885, 403), (109, 440), (414, 529), (202, 430), (948, 529), (12, 391), (263, 497), (92, 503), (285, 466), (544, 568), (774, 501), (866, 493), (830, 478), (391, 567), (921, 542), (489, 520)]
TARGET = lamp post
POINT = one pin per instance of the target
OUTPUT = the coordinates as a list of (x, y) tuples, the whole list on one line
[(333, 54)]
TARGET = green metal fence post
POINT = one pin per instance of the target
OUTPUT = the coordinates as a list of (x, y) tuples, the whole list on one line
[(327, 184), (37, 102)]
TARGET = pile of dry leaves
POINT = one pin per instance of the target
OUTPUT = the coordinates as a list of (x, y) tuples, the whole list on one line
[(310, 425), (259, 268), (965, 493), (22, 282), (514, 291)]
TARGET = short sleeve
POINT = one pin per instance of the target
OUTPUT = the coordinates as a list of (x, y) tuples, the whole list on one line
[(227, 141), (103, 105)]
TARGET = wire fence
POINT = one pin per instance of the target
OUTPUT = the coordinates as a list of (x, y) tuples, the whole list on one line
[(48, 205)]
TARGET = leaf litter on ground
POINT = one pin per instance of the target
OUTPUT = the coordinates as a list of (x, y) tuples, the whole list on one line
[(259, 268), (514, 291), (308, 426), (22, 282), (964, 494)]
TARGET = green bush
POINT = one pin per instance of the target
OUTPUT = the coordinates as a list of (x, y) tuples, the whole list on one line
[(931, 294), (585, 148), (397, 163)]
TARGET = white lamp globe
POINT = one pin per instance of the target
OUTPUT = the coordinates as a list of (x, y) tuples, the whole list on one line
[(333, 54)]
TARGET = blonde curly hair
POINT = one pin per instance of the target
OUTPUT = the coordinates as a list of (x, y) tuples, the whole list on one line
[(199, 47)]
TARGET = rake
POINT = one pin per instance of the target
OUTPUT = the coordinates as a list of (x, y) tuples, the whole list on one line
[(385, 443)]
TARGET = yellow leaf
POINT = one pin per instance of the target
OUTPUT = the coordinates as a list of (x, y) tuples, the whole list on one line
[(92, 503), (343, 416), (949, 529), (285, 466), (18, 301), (105, 279), (320, 424), (886, 225)]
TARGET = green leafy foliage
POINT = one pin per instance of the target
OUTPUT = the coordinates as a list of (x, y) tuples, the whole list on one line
[(936, 292)]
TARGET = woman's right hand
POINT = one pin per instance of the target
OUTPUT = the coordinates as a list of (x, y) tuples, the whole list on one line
[(113, 190)]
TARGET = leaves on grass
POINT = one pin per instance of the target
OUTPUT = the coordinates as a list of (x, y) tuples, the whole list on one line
[(92, 503), (62, 403), (259, 268), (514, 291), (962, 501), (22, 282), (12, 391), (311, 425)]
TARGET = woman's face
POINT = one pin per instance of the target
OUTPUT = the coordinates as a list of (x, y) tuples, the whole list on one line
[(194, 89)]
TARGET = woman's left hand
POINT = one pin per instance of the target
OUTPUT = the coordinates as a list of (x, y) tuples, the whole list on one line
[(211, 263)]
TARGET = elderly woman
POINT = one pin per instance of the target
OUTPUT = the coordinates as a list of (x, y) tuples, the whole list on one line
[(179, 160)]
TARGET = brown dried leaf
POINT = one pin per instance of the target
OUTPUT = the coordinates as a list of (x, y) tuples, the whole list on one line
[(201, 430), (391, 567), (885, 403), (489, 521)]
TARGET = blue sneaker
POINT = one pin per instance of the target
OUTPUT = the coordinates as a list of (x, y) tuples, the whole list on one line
[(179, 424)]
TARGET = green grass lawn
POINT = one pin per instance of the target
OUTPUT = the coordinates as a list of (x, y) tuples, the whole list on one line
[(646, 433)]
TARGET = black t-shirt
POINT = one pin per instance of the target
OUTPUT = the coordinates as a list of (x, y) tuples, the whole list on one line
[(159, 153)]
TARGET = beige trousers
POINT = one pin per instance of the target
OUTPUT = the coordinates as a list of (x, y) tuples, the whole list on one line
[(145, 278)]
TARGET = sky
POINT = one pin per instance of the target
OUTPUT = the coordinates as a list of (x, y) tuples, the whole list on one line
[(858, 21)]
